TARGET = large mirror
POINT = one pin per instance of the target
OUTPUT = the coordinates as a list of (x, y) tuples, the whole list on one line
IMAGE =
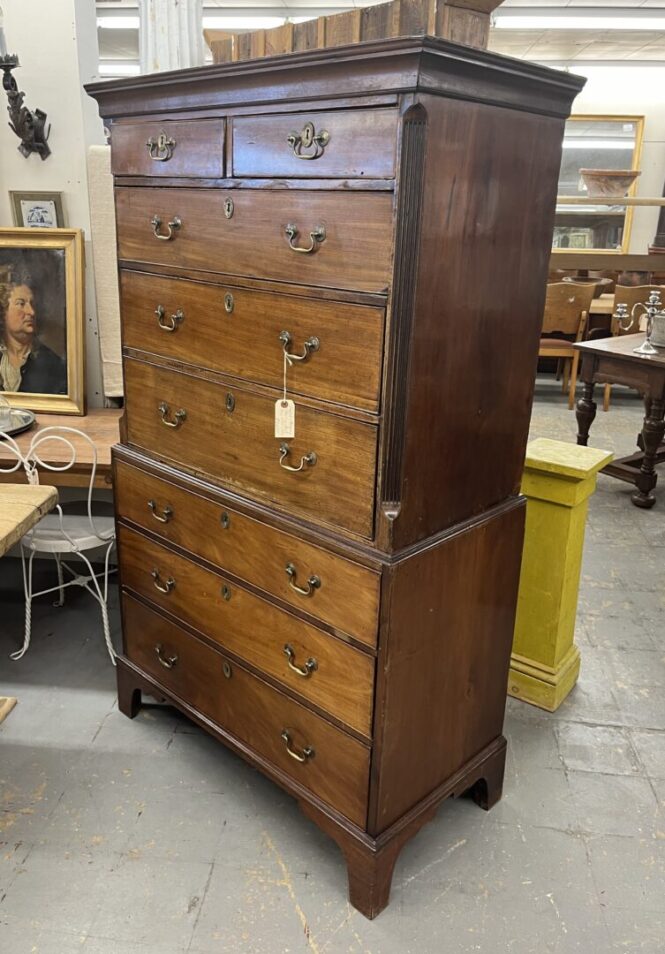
[(596, 142)]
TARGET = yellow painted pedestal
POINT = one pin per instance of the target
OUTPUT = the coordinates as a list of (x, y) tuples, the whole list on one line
[(558, 480)]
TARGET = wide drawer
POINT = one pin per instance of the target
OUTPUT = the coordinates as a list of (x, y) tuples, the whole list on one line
[(335, 766), (228, 433), (319, 668), (334, 239), (155, 148), (339, 592), (343, 143), (245, 333)]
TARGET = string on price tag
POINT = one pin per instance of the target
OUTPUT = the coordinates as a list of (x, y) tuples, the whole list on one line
[(285, 411)]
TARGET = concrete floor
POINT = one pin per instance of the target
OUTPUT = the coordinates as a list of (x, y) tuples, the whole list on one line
[(148, 837)]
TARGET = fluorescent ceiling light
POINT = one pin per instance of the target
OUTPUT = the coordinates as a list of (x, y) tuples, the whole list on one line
[(567, 22), (591, 143), (242, 23), (118, 23), (119, 69)]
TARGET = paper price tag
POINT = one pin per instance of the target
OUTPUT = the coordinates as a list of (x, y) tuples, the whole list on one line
[(285, 418)]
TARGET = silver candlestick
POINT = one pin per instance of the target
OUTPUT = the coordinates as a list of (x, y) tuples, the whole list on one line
[(626, 321)]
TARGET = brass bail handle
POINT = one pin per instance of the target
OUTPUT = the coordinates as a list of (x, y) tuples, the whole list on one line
[(165, 587), (316, 237), (310, 346), (308, 144), (172, 226), (168, 662), (305, 671), (178, 418), (171, 323), (308, 460), (307, 752), (162, 517), (313, 583), (161, 148)]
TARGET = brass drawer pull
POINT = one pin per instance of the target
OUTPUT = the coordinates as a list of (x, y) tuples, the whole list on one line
[(178, 417), (305, 671), (307, 752), (162, 517), (316, 236), (311, 345), (168, 662), (308, 460), (306, 139), (171, 324), (157, 583), (172, 226), (313, 583), (161, 149)]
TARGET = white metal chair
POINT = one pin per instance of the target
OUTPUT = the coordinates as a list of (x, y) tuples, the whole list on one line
[(60, 533)]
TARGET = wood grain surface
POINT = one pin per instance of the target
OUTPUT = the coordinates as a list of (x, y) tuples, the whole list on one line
[(239, 448), (244, 705), (355, 254), (244, 341), (347, 598), (254, 629), (198, 149)]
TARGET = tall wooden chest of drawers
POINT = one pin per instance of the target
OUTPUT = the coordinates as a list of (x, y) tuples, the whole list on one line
[(336, 606)]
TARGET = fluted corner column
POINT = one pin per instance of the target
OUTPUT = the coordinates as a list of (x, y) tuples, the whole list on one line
[(171, 34)]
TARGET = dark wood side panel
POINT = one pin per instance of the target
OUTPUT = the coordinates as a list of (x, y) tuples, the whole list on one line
[(444, 658), (487, 221)]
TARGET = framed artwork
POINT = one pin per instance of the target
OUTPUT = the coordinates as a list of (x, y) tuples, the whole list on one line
[(41, 319), (38, 210)]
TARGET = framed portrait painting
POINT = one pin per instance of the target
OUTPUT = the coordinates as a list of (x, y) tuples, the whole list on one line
[(38, 210), (41, 319)]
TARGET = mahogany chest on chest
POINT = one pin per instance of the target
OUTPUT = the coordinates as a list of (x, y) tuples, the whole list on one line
[(370, 227)]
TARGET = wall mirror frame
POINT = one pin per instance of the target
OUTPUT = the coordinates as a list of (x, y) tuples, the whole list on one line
[(614, 142)]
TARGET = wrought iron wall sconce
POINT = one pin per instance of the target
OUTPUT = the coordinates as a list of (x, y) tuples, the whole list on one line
[(30, 127)]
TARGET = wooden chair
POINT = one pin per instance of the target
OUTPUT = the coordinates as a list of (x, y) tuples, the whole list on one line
[(566, 313), (628, 295)]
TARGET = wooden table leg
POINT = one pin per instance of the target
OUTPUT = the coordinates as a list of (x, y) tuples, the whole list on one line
[(653, 432), (585, 413)]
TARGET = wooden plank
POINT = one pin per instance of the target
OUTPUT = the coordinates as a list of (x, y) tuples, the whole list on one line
[(22, 506), (7, 703), (414, 16), (342, 28), (463, 26), (379, 22), (279, 40), (308, 35)]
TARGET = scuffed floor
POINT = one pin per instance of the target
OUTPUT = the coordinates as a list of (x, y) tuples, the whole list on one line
[(147, 837)]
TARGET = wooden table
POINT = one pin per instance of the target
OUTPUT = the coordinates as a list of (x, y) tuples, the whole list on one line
[(21, 507), (614, 361), (100, 425)]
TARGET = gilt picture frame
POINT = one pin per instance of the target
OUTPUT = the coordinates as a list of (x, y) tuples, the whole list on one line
[(38, 210), (42, 293)]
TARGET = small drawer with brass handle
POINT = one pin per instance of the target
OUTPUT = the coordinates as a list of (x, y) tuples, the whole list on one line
[(178, 418), (171, 228), (313, 583), (172, 322), (162, 517), (305, 671), (160, 149), (168, 148), (168, 662), (307, 460), (310, 346), (316, 237), (341, 143), (303, 756), (167, 587)]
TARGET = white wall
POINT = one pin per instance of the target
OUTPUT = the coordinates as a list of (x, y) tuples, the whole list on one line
[(633, 91), (56, 42)]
